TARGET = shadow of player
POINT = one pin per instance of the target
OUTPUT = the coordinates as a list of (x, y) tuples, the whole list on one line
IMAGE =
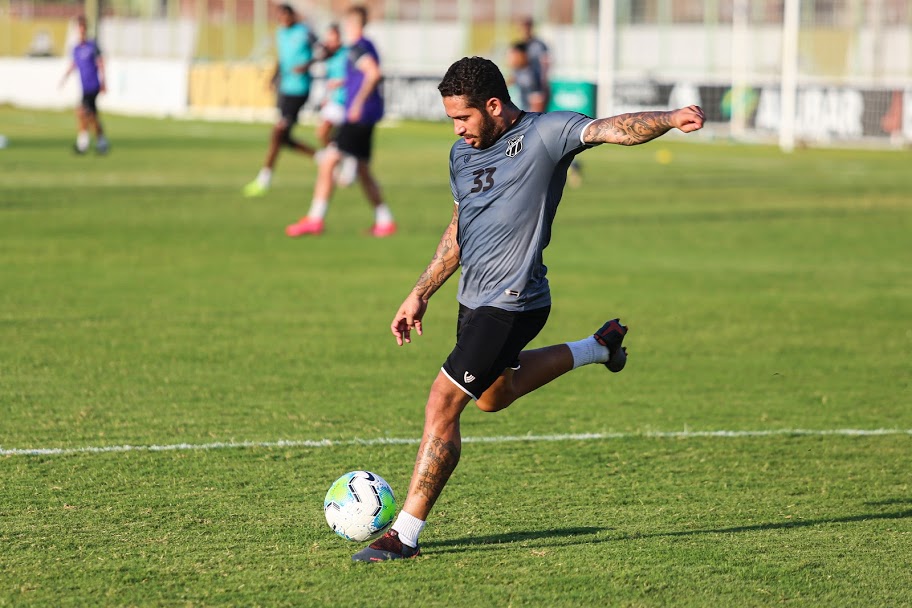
[(577, 535), (564, 537)]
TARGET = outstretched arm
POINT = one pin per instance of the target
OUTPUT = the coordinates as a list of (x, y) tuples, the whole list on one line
[(640, 127), (442, 266), (99, 62)]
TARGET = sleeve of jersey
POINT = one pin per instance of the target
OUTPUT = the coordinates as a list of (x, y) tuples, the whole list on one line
[(453, 176), (562, 133)]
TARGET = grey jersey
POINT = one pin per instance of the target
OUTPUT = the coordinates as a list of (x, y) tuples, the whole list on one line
[(508, 196)]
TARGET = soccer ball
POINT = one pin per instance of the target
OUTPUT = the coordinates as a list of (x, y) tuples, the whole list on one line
[(359, 505)]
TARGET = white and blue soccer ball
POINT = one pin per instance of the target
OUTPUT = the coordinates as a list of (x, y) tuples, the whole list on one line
[(359, 505)]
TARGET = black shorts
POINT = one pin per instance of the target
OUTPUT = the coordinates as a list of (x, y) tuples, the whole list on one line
[(488, 341), (289, 107), (88, 102), (355, 138)]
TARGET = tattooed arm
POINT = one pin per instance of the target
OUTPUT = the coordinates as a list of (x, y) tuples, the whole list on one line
[(640, 127), (442, 266)]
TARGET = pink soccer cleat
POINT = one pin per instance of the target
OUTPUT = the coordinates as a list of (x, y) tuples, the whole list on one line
[(382, 230), (306, 225)]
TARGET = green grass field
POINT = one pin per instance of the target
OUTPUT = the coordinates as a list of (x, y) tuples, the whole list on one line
[(144, 302)]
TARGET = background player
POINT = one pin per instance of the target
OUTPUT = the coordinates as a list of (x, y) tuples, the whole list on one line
[(364, 108), (527, 79), (87, 59), (507, 173), (332, 111), (294, 44), (539, 57)]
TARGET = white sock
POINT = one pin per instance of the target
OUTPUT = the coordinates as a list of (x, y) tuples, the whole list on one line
[(408, 527), (82, 140), (383, 214), (317, 209), (265, 177), (588, 350)]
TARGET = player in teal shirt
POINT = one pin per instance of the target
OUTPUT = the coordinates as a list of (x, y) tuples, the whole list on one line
[(332, 111), (294, 43)]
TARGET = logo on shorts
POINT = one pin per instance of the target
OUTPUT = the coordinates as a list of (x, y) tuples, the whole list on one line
[(515, 146), (469, 378)]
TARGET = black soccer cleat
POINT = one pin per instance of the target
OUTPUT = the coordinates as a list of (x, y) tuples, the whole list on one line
[(612, 335), (385, 548)]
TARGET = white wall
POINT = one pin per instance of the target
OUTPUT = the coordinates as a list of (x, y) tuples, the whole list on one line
[(154, 87), (907, 115)]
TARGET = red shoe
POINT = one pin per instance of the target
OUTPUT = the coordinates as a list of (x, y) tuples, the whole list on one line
[(382, 230), (305, 226)]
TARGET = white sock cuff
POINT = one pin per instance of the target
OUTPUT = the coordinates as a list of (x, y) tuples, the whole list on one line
[(383, 214), (586, 351), (318, 209), (409, 527)]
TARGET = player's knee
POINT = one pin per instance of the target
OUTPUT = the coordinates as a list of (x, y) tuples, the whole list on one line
[(445, 403), (281, 132)]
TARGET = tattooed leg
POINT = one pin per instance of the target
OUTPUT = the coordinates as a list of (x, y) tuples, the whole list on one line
[(440, 447)]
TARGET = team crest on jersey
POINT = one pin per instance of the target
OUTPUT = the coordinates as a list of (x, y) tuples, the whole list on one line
[(515, 146)]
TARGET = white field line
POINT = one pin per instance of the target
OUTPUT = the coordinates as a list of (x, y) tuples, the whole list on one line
[(326, 443)]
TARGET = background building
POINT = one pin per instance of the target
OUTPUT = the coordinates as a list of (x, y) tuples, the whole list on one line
[(842, 69)]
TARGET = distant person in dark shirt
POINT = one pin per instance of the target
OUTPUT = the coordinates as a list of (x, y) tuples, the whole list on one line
[(539, 57), (87, 59), (527, 79)]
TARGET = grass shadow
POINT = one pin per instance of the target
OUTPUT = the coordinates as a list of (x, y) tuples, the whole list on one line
[(889, 501), (785, 525), (515, 537), (565, 537)]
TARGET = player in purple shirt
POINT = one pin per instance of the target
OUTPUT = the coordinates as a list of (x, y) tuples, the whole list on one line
[(353, 138), (87, 59)]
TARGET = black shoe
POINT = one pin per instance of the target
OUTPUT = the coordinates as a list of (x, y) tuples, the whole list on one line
[(611, 335), (385, 548)]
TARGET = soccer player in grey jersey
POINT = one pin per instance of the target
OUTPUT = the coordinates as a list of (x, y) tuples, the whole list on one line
[(507, 174)]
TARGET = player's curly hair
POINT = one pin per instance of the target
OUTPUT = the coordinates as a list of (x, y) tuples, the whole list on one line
[(477, 79)]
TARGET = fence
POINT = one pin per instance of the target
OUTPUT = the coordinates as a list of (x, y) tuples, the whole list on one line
[(835, 72)]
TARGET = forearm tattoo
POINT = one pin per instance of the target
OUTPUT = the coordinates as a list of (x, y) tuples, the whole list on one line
[(629, 129), (436, 462), (443, 264)]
